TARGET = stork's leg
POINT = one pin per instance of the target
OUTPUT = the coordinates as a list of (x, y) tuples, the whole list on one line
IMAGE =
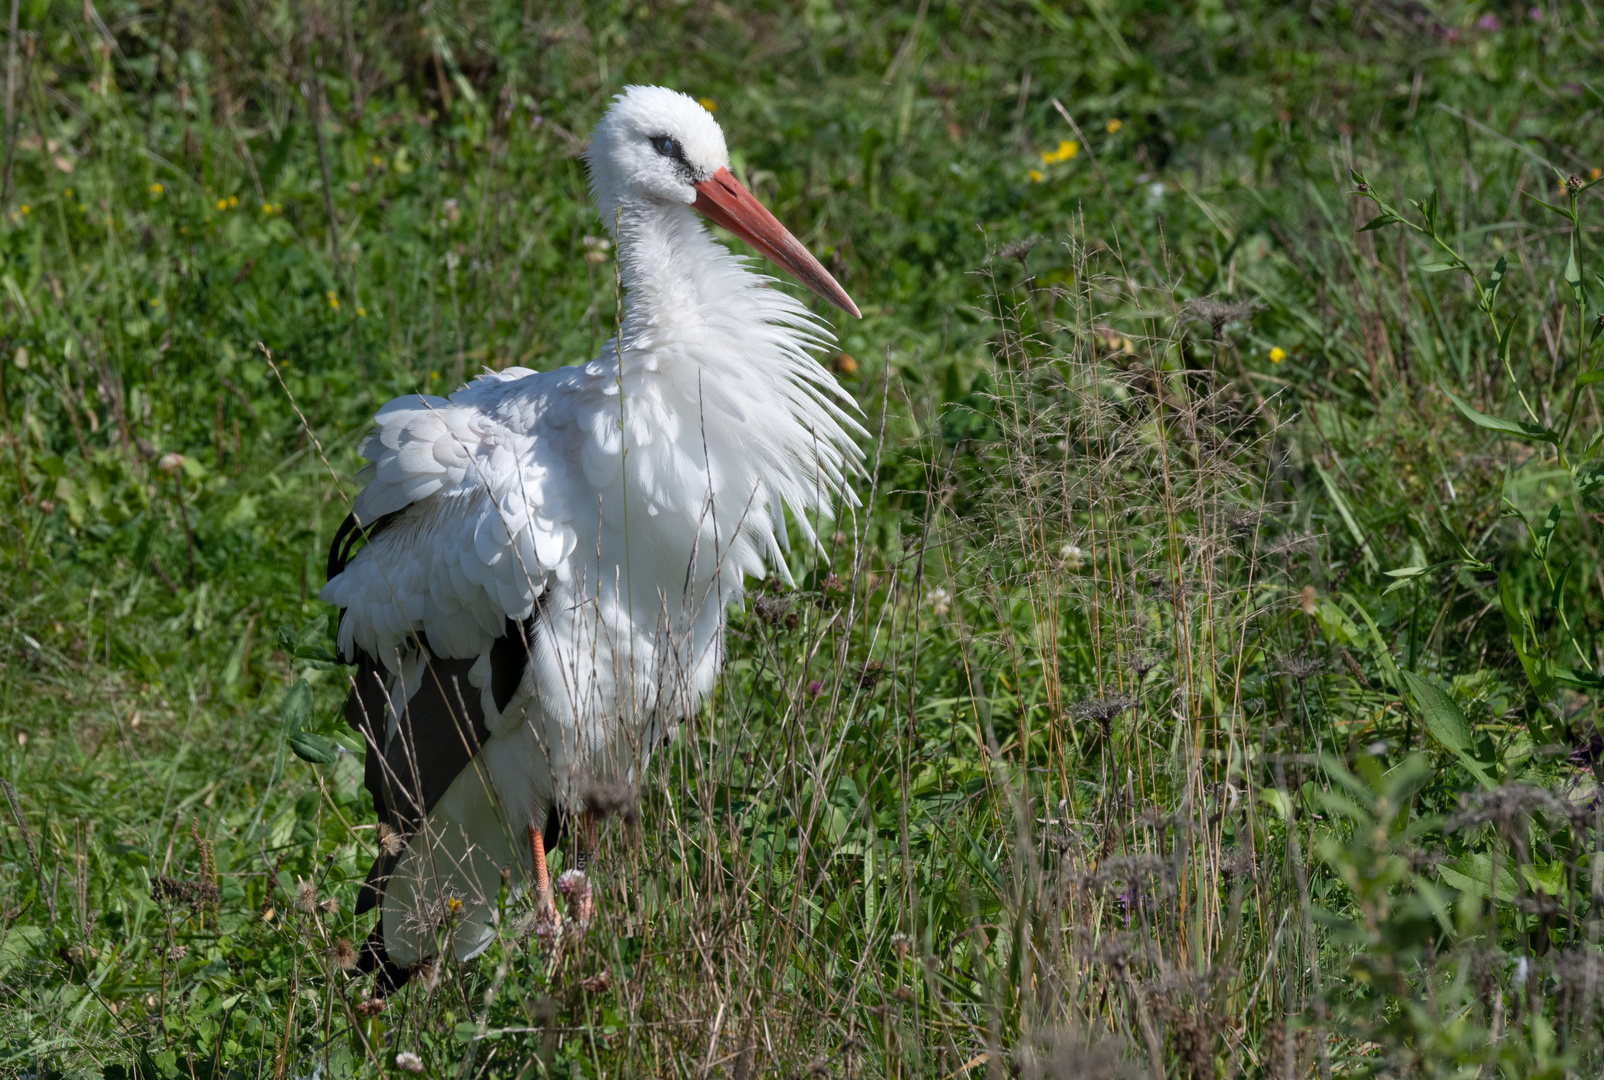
[(547, 920)]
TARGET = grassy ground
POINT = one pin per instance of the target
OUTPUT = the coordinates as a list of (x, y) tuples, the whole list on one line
[(1208, 689)]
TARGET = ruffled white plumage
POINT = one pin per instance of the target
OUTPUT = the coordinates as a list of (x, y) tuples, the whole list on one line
[(621, 504)]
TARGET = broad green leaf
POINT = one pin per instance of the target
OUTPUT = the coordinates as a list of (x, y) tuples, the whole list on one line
[(296, 708), (1586, 680), (313, 748), (1379, 222), (1471, 874), (1497, 423), (1588, 378), (1447, 724)]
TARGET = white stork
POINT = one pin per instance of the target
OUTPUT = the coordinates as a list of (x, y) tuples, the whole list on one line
[(549, 556)]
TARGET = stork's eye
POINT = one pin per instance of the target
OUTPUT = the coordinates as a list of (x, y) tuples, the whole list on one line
[(666, 146)]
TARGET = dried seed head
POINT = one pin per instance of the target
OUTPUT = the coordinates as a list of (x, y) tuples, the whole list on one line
[(427, 972), (604, 799), (1101, 709), (771, 609), (1018, 249), (390, 841), (599, 983), (1302, 666), (407, 1061), (306, 897), (328, 905), (1574, 182), (343, 954), (372, 1006), (901, 944)]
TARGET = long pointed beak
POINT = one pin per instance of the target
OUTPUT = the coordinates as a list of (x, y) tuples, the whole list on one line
[(726, 202)]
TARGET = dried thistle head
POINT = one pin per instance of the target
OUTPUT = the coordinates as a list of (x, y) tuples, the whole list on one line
[(1301, 666), (901, 944), (329, 905), (370, 1006), (426, 973), (1217, 312), (604, 799), (391, 842), (1143, 661), (305, 897), (771, 609), (1101, 709), (1505, 807), (342, 954)]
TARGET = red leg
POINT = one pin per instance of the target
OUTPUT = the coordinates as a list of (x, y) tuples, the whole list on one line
[(537, 848)]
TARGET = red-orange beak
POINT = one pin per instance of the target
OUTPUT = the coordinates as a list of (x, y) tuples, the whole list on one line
[(726, 202)]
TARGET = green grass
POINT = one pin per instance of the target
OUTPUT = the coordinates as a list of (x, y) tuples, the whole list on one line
[(1147, 721)]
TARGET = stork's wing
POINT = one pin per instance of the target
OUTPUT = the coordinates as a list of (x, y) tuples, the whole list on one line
[(465, 518), (466, 514)]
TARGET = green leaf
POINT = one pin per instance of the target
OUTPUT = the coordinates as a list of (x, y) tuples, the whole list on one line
[(1545, 534), (1379, 222), (1447, 724), (296, 708), (1573, 271), (1585, 680), (1560, 210), (1539, 669), (1518, 428), (1437, 267), (313, 748), (1587, 477), (1588, 378)]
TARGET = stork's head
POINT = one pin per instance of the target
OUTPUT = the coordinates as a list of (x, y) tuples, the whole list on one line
[(656, 145)]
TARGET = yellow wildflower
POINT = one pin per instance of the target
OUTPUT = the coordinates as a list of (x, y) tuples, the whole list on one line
[(378, 161), (1035, 176), (1595, 174), (453, 905), (1113, 126), (222, 204), (707, 103), (334, 301), (267, 208), (155, 189), (1066, 150), (361, 312), (1277, 355), (233, 201)]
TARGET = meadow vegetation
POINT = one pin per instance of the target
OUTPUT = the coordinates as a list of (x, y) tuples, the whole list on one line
[(1209, 686)]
